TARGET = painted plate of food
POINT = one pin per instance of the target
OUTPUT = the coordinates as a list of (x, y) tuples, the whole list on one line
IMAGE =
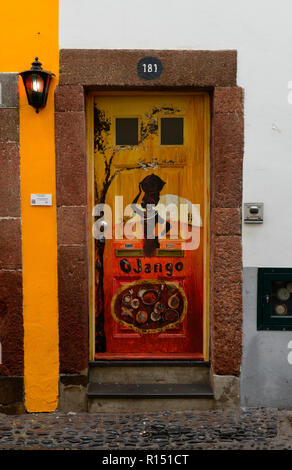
[(149, 306)]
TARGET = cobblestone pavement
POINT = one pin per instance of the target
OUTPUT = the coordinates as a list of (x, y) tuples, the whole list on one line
[(230, 429)]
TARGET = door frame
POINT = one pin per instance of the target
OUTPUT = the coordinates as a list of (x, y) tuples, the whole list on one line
[(83, 71), (206, 222)]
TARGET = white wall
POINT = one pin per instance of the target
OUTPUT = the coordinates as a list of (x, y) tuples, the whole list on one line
[(261, 31)]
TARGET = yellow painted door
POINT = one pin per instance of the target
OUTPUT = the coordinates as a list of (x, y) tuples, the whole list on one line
[(151, 151)]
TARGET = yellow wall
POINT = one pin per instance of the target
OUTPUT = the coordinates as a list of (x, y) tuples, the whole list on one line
[(29, 30)]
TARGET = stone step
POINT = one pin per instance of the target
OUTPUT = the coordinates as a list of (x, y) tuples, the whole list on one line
[(150, 390), (149, 372), (142, 398)]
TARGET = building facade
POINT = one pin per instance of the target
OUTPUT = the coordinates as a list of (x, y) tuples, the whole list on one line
[(177, 103)]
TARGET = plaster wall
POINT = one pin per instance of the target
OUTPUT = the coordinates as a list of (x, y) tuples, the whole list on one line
[(261, 33), (23, 36), (266, 369)]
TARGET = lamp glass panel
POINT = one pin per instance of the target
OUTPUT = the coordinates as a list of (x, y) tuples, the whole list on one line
[(35, 83)]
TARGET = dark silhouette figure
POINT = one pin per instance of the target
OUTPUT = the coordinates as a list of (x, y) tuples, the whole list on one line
[(151, 185)]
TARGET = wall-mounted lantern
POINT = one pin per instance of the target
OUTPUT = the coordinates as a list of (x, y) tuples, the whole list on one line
[(36, 82)]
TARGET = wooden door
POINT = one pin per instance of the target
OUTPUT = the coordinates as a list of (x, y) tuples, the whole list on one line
[(151, 150)]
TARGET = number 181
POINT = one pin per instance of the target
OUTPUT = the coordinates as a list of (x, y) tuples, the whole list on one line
[(150, 68)]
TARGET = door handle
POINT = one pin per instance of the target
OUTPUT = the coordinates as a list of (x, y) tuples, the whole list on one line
[(267, 298)]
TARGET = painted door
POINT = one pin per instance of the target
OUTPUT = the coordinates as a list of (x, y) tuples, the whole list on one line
[(151, 171)]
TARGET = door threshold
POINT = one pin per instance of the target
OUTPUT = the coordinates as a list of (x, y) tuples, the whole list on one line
[(148, 357), (150, 391), (148, 363)]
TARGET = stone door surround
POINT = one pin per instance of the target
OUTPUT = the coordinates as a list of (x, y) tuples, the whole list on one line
[(214, 71)]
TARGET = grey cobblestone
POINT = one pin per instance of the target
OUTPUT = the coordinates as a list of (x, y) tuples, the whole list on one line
[(229, 429)]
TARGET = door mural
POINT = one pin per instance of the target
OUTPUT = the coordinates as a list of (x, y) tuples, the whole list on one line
[(150, 229)]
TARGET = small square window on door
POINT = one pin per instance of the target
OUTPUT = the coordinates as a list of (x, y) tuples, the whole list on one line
[(172, 131), (127, 131), (274, 299)]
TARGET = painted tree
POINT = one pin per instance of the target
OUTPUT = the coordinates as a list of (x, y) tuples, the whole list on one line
[(104, 158)]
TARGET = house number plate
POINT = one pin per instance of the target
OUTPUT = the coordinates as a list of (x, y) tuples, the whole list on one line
[(149, 68)]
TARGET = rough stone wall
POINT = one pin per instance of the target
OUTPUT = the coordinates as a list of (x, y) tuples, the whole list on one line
[(71, 178), (11, 323), (11, 320), (226, 245), (118, 68)]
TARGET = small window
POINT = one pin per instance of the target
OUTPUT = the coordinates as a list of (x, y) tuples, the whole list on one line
[(274, 299), (126, 131), (172, 131)]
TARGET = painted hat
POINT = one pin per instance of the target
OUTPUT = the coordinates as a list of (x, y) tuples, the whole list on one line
[(152, 183)]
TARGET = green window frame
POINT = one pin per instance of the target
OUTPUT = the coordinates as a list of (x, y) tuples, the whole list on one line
[(267, 319)]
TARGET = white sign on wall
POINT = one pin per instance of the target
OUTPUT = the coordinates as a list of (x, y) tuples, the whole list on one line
[(40, 199)]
